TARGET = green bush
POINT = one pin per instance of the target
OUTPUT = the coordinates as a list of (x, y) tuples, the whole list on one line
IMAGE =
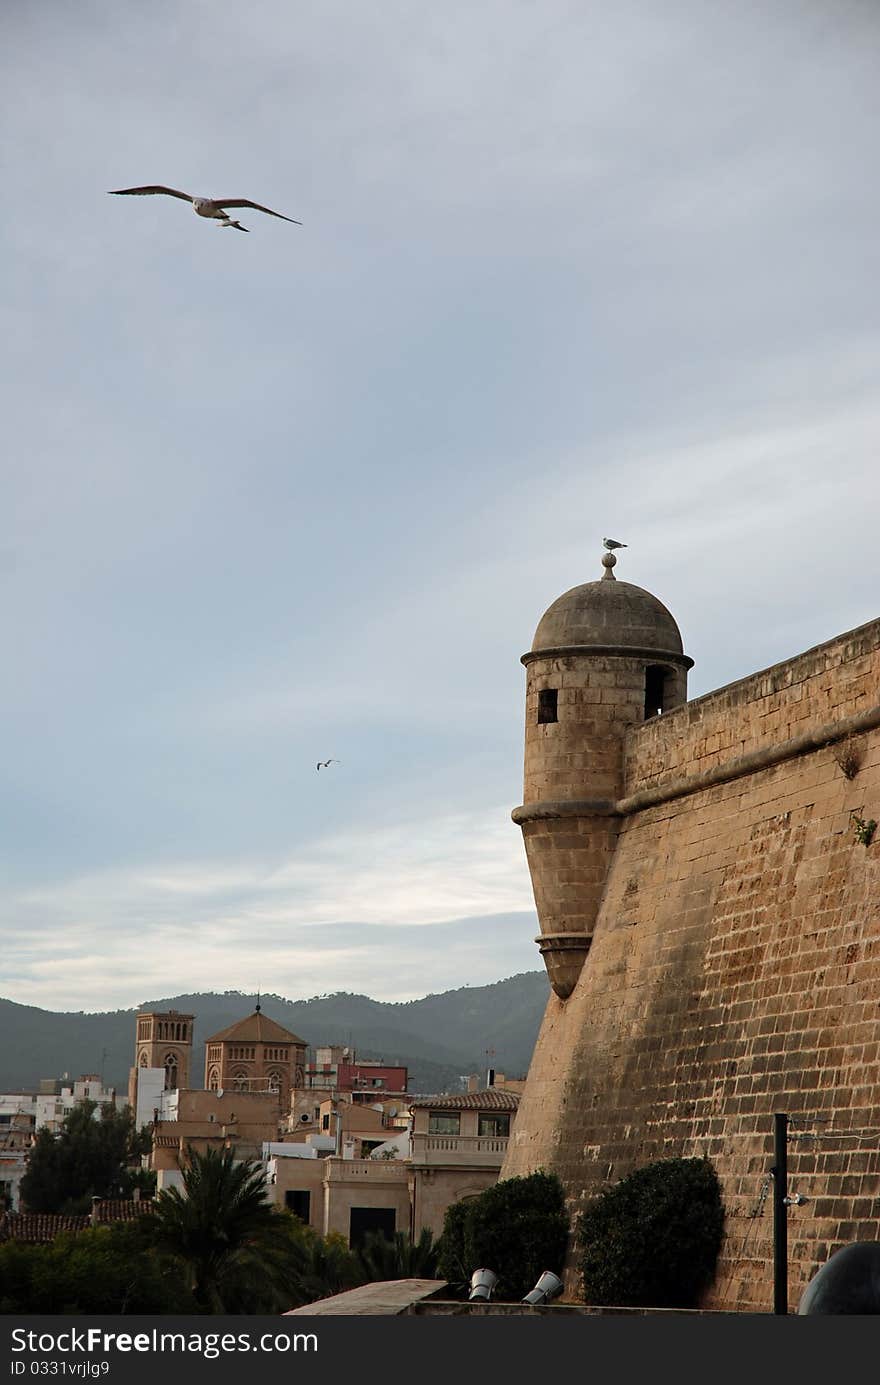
[(518, 1228), (106, 1269), (451, 1263), (653, 1239)]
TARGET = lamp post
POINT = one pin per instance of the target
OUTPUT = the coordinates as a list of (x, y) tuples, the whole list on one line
[(780, 1213)]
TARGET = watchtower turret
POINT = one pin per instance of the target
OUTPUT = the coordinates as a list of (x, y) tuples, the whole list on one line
[(606, 656)]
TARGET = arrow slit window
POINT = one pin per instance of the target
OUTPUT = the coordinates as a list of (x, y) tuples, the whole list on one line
[(655, 689), (547, 705)]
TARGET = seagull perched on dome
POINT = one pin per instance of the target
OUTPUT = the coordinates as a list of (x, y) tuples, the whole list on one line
[(611, 544), (213, 207)]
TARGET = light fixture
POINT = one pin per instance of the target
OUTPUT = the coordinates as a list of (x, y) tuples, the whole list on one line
[(482, 1284), (547, 1287)]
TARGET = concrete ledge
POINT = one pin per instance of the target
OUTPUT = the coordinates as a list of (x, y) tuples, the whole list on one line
[(565, 808), (388, 1298), (436, 1308), (614, 651)]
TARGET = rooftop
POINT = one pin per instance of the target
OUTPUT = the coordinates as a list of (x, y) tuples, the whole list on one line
[(256, 1028), (608, 615), (492, 1099)]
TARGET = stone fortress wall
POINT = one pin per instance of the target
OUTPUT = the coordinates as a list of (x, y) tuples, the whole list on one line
[(734, 966)]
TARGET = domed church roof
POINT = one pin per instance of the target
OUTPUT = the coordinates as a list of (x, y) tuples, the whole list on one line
[(256, 1028), (609, 617)]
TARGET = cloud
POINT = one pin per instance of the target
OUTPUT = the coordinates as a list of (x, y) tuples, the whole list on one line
[(564, 270), (120, 934)]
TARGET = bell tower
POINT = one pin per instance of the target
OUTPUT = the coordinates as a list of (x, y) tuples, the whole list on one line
[(165, 1041), (606, 656)]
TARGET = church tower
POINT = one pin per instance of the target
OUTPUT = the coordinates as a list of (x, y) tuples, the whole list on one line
[(606, 656), (165, 1041), (255, 1055)]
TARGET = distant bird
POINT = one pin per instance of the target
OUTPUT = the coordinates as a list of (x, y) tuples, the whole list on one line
[(611, 544), (322, 764), (213, 207)]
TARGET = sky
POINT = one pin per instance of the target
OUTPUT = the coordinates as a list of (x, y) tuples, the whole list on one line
[(565, 270)]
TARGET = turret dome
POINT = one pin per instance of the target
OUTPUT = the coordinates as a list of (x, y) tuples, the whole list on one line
[(609, 617)]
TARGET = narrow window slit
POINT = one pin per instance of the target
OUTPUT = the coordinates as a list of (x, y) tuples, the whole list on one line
[(547, 705), (655, 689)]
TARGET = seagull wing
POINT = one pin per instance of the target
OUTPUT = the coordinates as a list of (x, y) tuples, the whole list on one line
[(150, 191), (224, 202)]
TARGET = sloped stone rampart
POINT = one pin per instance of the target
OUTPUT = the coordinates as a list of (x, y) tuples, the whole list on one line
[(734, 971)]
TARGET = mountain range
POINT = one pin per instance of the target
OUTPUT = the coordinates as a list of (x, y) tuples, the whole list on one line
[(439, 1038)]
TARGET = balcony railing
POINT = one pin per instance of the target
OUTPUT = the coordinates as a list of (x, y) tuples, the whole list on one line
[(487, 1150), (375, 1170)]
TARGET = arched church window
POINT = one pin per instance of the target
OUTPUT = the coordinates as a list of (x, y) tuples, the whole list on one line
[(170, 1066), (144, 1061), (214, 1080), (273, 1081), (240, 1081)]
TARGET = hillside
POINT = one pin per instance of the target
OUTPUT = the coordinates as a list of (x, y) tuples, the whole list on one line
[(439, 1037)]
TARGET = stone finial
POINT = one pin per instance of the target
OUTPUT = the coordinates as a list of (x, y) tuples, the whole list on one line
[(608, 562)]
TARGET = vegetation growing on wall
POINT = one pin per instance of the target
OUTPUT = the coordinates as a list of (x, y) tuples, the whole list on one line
[(863, 828), (653, 1239)]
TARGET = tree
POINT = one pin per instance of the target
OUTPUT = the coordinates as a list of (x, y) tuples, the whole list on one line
[(653, 1239), (322, 1266), (240, 1253), (108, 1269), (87, 1158), (452, 1256), (518, 1228), (380, 1258)]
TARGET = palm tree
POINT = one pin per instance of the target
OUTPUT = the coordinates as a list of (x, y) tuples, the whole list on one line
[(323, 1266), (239, 1251), (400, 1258)]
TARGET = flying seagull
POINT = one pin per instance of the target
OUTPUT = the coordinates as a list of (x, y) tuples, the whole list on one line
[(322, 764), (214, 207), (611, 544)]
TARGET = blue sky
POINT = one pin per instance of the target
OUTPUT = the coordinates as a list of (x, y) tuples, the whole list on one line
[(564, 270)]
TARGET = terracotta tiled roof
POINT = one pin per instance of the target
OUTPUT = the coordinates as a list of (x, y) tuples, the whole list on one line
[(492, 1099), (121, 1209), (38, 1226), (256, 1028)]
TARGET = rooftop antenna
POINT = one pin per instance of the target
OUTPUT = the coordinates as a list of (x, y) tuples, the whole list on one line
[(490, 1067)]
